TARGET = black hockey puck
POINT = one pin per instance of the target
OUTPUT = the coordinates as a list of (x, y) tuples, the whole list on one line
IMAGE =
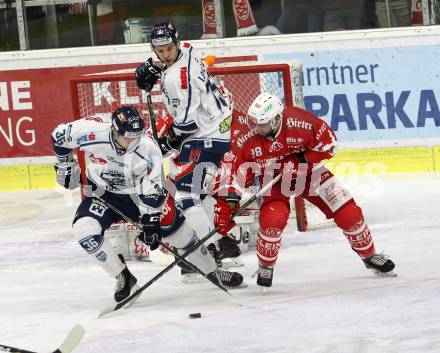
[(195, 316)]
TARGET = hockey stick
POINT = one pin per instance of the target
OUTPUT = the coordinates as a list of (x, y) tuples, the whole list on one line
[(139, 226), (193, 248), (152, 117), (69, 344)]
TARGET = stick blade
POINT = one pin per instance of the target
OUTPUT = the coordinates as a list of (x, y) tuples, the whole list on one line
[(72, 340), (107, 310)]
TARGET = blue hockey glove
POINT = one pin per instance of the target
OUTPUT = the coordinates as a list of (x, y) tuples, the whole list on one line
[(147, 75)]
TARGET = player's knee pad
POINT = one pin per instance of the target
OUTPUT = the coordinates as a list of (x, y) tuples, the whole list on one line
[(183, 239), (273, 219), (88, 233), (351, 220), (198, 219)]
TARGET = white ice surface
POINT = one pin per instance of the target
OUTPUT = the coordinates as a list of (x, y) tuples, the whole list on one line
[(322, 299)]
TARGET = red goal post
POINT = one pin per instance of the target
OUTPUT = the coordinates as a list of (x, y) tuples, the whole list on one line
[(99, 94)]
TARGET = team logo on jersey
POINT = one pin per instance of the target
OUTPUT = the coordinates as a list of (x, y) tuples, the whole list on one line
[(183, 77), (97, 160), (175, 102), (293, 122), (94, 118), (275, 147), (225, 125)]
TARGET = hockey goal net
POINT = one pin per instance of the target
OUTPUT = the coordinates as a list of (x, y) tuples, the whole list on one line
[(99, 94)]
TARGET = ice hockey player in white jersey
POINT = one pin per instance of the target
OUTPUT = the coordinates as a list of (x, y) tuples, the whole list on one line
[(201, 120), (124, 168)]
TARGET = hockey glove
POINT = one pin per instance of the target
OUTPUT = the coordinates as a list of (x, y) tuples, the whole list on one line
[(147, 75), (151, 230), (68, 174), (165, 146), (170, 143), (222, 216)]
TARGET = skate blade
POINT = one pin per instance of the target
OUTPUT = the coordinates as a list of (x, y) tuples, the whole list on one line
[(242, 285), (133, 289), (264, 290), (384, 274)]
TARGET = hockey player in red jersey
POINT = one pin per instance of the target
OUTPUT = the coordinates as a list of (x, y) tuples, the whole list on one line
[(291, 141)]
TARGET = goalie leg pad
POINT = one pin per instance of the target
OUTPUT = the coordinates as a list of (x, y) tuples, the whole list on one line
[(351, 220), (273, 219), (88, 232)]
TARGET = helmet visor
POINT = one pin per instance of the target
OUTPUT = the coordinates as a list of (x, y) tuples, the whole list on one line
[(165, 40), (132, 135)]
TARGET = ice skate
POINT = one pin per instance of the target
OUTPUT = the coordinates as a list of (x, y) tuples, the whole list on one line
[(125, 284), (188, 275), (230, 280), (264, 279), (229, 253), (381, 265)]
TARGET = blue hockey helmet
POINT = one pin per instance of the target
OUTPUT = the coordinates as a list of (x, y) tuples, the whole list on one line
[(128, 122), (163, 34)]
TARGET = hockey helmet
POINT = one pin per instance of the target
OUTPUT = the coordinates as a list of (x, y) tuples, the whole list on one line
[(163, 34), (264, 109), (128, 123)]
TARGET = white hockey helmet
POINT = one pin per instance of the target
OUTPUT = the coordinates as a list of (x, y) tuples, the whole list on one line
[(264, 109)]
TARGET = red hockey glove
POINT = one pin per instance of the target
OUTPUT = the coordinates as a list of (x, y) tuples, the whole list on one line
[(222, 216)]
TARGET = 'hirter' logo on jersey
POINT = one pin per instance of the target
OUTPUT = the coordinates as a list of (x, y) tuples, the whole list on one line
[(242, 119), (183, 77), (292, 122), (275, 147)]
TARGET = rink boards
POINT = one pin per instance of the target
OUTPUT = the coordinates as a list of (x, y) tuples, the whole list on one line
[(353, 162)]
